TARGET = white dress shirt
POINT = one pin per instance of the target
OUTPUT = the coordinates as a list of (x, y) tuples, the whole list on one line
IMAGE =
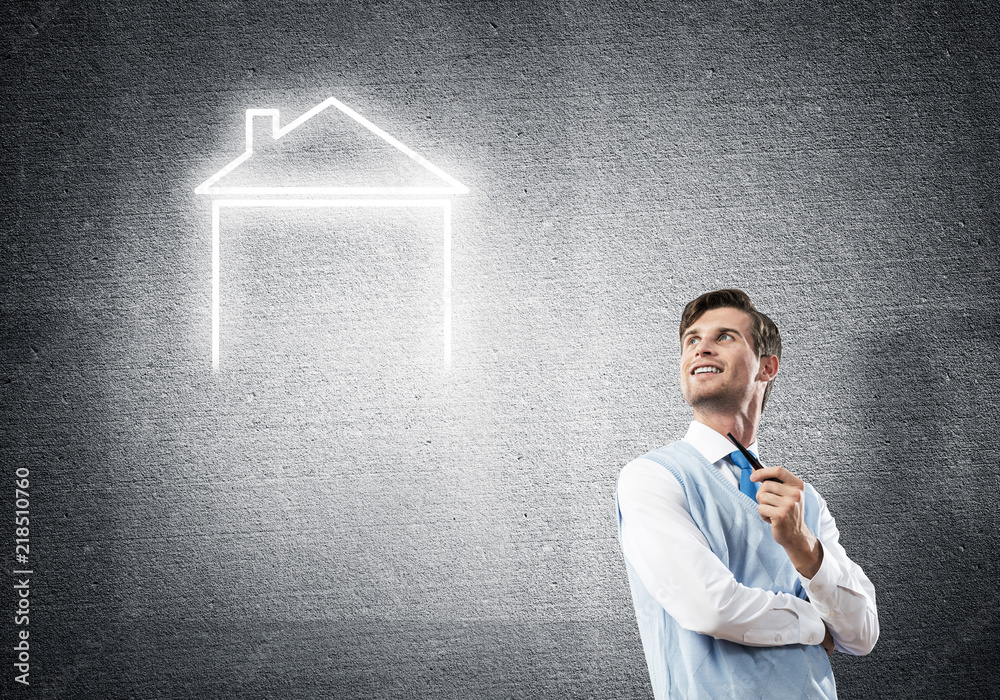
[(673, 560)]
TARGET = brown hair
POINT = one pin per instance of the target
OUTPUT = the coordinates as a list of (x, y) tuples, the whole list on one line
[(766, 339)]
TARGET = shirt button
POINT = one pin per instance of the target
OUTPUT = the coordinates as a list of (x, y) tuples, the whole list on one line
[(811, 638), (833, 613), (777, 637)]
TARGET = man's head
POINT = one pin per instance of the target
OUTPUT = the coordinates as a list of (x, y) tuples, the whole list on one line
[(728, 348)]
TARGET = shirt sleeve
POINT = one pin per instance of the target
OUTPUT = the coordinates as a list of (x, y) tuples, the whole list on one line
[(675, 563), (841, 592)]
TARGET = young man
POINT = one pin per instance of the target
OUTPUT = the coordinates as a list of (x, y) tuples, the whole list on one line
[(740, 584)]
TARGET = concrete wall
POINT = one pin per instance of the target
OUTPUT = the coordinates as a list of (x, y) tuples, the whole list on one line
[(336, 514)]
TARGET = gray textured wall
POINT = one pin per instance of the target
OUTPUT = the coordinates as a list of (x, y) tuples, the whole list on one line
[(335, 515)]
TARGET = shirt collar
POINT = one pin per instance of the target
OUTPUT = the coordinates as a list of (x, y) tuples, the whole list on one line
[(713, 446)]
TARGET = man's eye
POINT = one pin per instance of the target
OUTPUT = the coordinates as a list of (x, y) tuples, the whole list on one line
[(725, 336), (692, 340)]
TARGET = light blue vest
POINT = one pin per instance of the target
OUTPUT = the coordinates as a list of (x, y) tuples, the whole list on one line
[(687, 665)]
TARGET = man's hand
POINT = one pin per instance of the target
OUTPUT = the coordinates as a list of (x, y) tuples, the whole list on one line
[(828, 643), (782, 506)]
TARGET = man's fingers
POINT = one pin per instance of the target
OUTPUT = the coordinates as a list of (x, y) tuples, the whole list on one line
[(782, 514), (779, 473), (774, 491), (768, 498), (777, 509)]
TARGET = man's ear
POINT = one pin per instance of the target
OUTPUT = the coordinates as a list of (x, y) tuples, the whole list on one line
[(768, 368)]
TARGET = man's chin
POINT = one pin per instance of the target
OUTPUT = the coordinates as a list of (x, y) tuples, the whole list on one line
[(712, 402)]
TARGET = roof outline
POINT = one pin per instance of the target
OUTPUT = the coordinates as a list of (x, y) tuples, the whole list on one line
[(209, 186)]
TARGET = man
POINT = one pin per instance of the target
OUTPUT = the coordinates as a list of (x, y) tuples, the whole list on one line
[(740, 584)]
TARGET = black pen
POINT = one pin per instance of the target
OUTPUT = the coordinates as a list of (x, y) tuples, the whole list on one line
[(754, 462)]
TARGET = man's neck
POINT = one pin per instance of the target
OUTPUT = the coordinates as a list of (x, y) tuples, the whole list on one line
[(742, 426)]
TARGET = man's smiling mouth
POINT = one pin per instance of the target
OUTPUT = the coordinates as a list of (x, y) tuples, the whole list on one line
[(703, 370)]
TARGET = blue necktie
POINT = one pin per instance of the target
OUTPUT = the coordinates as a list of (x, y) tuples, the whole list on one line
[(746, 486)]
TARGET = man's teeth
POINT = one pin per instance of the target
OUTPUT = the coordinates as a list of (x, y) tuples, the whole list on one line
[(702, 370)]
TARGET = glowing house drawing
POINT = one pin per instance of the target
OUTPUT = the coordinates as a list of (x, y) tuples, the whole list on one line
[(259, 178)]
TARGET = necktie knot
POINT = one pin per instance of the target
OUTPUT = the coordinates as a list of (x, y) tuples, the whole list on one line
[(746, 486)]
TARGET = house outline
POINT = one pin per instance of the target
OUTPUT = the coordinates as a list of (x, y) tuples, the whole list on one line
[(332, 196)]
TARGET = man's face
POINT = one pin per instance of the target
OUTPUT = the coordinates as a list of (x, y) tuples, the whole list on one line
[(719, 368)]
